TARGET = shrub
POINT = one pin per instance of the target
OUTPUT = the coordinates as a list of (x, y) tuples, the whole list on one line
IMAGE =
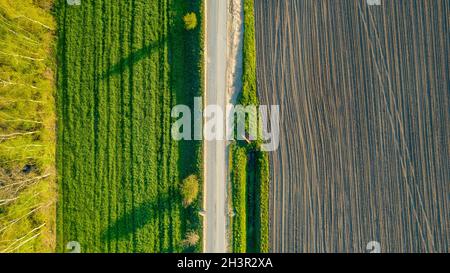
[(190, 21), (189, 190), (192, 239)]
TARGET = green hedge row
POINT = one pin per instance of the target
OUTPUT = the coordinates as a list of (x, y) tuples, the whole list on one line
[(251, 178)]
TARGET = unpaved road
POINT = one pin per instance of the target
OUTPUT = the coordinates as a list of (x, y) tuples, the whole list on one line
[(215, 151), (364, 144)]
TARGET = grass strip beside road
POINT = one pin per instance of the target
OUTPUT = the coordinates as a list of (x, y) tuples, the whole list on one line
[(250, 165)]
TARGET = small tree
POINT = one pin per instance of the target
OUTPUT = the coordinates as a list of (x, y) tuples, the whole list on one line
[(192, 239), (190, 21), (189, 190)]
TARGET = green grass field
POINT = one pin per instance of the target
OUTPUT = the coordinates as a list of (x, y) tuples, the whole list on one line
[(249, 166), (250, 198), (122, 66)]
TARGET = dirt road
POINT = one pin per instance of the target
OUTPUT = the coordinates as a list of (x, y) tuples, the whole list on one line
[(215, 151)]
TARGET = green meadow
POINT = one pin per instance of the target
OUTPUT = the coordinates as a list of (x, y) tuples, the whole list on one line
[(122, 65)]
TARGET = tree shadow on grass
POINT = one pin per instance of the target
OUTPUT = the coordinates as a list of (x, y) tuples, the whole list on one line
[(129, 224), (132, 59)]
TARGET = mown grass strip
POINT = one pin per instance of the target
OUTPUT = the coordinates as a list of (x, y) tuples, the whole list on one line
[(250, 172), (239, 197)]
